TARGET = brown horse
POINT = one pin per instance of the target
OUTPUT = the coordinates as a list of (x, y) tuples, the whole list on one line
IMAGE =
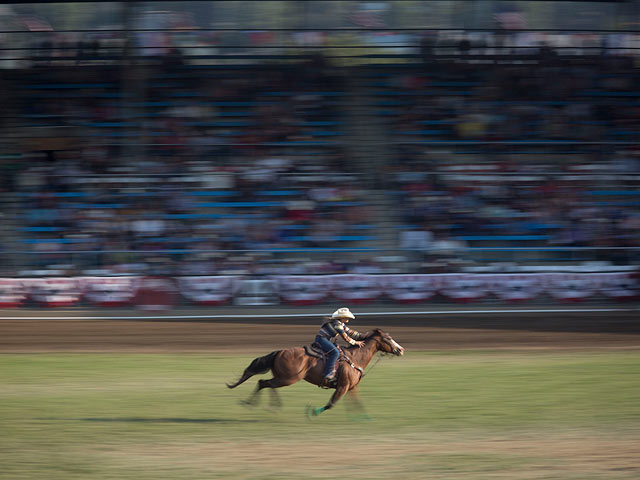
[(294, 364)]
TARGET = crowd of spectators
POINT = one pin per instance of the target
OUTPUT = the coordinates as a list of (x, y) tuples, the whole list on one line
[(516, 155), (240, 160), (534, 210), (569, 100), (231, 160)]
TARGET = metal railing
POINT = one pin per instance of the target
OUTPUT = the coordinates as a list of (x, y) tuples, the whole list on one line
[(341, 45), (387, 260)]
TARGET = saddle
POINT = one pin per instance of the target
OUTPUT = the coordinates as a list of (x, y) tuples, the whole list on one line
[(315, 350)]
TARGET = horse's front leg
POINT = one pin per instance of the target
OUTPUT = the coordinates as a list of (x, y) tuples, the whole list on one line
[(337, 395), (355, 407)]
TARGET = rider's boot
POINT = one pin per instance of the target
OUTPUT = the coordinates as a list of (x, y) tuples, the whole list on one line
[(330, 380)]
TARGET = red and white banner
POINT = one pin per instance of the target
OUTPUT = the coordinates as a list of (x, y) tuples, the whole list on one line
[(54, 291), (463, 287), (303, 289), (156, 293), (410, 288), (619, 286), (12, 293), (356, 288), (514, 288), (571, 287), (207, 290), (109, 291), (162, 292)]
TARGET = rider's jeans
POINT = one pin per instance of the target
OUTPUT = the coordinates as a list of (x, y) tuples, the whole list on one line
[(332, 353)]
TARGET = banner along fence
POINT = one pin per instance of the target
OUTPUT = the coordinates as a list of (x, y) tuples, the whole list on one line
[(164, 292)]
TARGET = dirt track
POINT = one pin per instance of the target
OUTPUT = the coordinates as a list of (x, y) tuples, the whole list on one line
[(575, 331)]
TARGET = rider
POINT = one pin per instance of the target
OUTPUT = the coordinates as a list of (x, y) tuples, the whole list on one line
[(331, 328)]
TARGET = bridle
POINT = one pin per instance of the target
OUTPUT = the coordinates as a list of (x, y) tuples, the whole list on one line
[(362, 372), (374, 364)]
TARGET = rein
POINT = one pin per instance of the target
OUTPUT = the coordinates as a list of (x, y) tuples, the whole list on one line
[(374, 364), (353, 365)]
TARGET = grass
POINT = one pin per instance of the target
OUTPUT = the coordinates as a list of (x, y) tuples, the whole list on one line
[(472, 415)]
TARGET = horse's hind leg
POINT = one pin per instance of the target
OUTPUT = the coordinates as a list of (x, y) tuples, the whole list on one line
[(252, 401), (272, 383), (276, 403)]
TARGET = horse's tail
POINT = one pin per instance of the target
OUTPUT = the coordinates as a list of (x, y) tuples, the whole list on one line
[(259, 365)]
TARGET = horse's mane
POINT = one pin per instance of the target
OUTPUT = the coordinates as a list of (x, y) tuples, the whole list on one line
[(376, 332), (373, 333)]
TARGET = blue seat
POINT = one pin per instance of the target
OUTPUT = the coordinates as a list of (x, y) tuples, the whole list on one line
[(362, 227), (240, 204), (51, 240), (501, 238), (199, 216), (325, 133), (624, 132), (100, 205), (616, 204), (172, 239), (437, 122), (290, 94), (293, 143), (184, 94), (214, 193), (222, 124), (237, 113), (423, 132), (598, 93), (279, 193), (113, 124), (70, 194), (612, 192), (319, 123), (42, 229), (343, 204), (392, 103), (234, 104), (114, 134), (296, 227), (53, 86), (335, 238), (454, 84)]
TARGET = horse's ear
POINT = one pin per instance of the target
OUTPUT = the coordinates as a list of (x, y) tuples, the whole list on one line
[(377, 331)]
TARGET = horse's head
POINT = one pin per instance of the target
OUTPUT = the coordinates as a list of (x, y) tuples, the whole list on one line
[(385, 343)]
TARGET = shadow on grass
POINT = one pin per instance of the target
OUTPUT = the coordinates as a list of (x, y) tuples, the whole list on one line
[(150, 420)]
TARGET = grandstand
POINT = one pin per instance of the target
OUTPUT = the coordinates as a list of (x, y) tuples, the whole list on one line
[(278, 161)]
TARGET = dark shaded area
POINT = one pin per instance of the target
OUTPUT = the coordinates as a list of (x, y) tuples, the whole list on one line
[(151, 420), (253, 336), (596, 322)]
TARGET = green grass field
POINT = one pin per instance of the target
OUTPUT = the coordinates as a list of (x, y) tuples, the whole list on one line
[(454, 415)]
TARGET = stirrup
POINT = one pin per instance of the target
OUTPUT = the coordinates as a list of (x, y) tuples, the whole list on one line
[(328, 382)]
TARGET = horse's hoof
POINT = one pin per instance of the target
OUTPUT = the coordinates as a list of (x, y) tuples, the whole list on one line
[(309, 412), (314, 412), (246, 403)]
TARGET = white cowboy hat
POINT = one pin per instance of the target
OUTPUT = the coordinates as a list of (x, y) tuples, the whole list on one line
[(343, 312)]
